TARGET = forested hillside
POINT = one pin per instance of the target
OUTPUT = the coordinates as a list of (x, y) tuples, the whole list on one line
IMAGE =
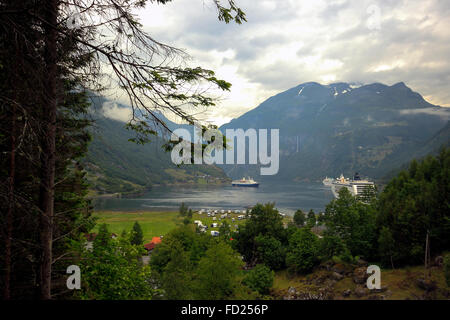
[(115, 164)]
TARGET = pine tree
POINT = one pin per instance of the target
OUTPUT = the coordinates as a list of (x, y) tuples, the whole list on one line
[(137, 236)]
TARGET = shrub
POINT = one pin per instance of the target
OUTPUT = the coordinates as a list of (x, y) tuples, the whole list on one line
[(303, 251), (260, 279), (447, 269)]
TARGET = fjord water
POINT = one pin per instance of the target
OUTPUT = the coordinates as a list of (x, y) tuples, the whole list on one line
[(288, 197)]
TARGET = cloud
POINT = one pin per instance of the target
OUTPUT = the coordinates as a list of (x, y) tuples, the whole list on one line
[(444, 113), (114, 111), (285, 43)]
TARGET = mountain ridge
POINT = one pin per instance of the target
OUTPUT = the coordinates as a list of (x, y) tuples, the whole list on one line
[(342, 128)]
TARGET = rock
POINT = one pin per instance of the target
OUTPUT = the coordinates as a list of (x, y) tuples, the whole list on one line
[(326, 265), (292, 290), (340, 268), (362, 263), (336, 276), (382, 289), (376, 297), (360, 275), (428, 285), (347, 293), (360, 291)]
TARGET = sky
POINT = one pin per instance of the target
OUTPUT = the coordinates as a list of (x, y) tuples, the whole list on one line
[(287, 42)]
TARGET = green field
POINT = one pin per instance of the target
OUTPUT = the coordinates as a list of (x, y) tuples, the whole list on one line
[(153, 223), (156, 223)]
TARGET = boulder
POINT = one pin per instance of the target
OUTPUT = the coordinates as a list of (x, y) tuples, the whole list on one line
[(341, 268), (360, 275), (336, 276), (425, 284), (347, 293), (361, 291)]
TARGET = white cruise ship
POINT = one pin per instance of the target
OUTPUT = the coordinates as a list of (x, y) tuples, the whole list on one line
[(356, 186), (327, 181), (249, 182)]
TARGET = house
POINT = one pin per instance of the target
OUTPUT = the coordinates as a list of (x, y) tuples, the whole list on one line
[(152, 244), (215, 233)]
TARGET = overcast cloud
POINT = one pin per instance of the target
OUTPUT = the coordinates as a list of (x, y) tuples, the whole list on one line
[(285, 43)]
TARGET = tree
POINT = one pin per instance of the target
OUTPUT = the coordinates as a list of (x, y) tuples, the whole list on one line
[(177, 276), (183, 210), (55, 49), (354, 222), (270, 252), (112, 270), (23, 139), (183, 237), (137, 236), (386, 247), (299, 218), (217, 274), (311, 220), (303, 251), (416, 202), (333, 246), (265, 221), (447, 269), (260, 279), (225, 231), (185, 213)]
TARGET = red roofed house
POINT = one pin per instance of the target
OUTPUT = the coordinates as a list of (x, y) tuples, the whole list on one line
[(151, 245)]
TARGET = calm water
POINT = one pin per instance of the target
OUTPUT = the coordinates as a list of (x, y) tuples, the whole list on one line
[(288, 197)]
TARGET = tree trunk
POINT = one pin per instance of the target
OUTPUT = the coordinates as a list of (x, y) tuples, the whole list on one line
[(9, 215), (48, 147)]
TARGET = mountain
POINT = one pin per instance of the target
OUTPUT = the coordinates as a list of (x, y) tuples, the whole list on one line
[(326, 130), (116, 165)]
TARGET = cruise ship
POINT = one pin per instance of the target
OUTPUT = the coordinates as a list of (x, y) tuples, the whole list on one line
[(327, 181), (356, 186), (249, 182)]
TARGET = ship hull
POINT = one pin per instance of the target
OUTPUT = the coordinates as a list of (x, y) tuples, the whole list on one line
[(254, 185)]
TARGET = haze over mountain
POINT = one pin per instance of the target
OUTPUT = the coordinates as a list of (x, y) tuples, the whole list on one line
[(326, 130)]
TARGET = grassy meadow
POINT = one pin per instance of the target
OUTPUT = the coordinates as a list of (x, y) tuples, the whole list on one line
[(153, 223), (156, 223)]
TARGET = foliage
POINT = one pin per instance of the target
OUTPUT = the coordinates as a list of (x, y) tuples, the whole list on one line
[(270, 252), (386, 247), (137, 236), (333, 246), (265, 221), (177, 275), (225, 231), (311, 219), (112, 269), (303, 251), (414, 202), (185, 213), (354, 222), (183, 237), (218, 273), (299, 218), (447, 269), (260, 278)]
